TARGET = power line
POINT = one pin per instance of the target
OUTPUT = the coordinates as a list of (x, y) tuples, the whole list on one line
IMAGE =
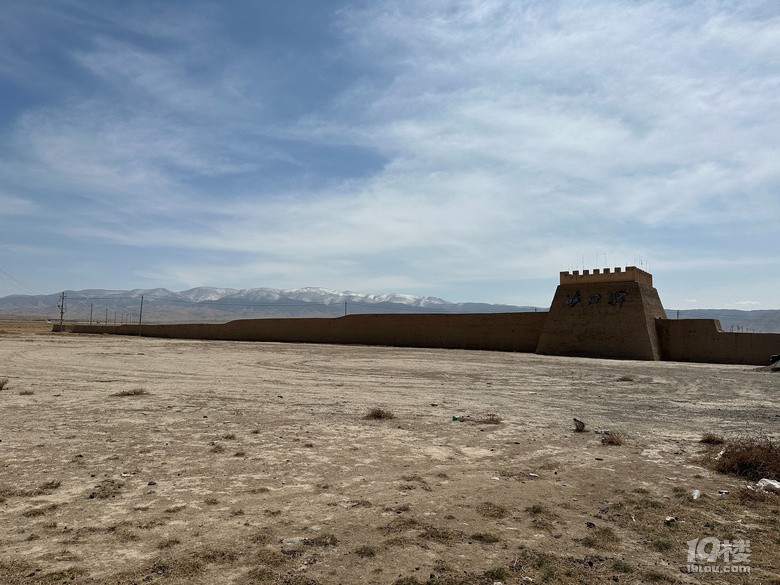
[(16, 283)]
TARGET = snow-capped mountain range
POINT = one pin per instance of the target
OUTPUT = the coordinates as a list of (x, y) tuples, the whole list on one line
[(209, 304)]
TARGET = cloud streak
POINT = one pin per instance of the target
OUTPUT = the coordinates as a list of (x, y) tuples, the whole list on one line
[(452, 148)]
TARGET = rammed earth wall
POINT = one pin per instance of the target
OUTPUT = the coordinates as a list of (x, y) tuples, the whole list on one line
[(609, 314)]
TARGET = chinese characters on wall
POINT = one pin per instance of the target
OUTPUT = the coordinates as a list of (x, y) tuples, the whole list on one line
[(616, 297)]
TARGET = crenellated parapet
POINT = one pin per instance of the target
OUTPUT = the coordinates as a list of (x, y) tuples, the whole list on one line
[(629, 274)]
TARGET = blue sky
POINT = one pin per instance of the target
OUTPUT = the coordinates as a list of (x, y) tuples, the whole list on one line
[(469, 150)]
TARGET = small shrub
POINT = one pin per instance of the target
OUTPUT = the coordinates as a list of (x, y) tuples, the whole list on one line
[(35, 512), (437, 534), (662, 545), (239, 454), (260, 575), (26, 392), (322, 540), (497, 574), (365, 552), (491, 510), (3, 382), (217, 449), (134, 392), (168, 543), (711, 439), (174, 509), (603, 537), (272, 558), (745, 496), (379, 414), (106, 489), (622, 567), (400, 525), (211, 501), (485, 537), (261, 537), (751, 457), (255, 431), (491, 419), (50, 485), (229, 436), (625, 379), (216, 556), (613, 438)]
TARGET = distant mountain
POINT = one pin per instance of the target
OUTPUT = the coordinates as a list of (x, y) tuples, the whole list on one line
[(766, 321), (210, 304), (207, 304)]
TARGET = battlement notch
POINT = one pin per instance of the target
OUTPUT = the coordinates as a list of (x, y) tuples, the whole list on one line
[(630, 274)]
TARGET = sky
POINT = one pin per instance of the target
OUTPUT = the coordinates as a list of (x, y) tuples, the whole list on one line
[(469, 150)]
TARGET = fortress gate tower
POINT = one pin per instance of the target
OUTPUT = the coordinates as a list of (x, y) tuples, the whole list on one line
[(609, 314)]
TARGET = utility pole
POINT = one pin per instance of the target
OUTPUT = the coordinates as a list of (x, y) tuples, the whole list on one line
[(90, 313), (345, 308), (140, 316), (106, 316), (61, 307)]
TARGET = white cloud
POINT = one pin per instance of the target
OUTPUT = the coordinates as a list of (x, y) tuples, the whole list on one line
[(12, 205), (518, 137), (748, 304)]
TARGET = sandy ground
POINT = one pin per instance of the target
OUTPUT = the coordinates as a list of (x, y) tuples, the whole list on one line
[(254, 463)]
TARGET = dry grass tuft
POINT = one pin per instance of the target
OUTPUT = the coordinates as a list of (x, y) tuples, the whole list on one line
[(379, 414), (216, 556), (749, 457), (176, 567), (49, 486), (485, 537), (711, 439), (438, 534), (365, 552), (746, 496), (271, 558), (26, 392), (604, 538), (625, 379), (613, 438), (490, 419), (133, 392), (322, 540), (400, 525), (106, 489), (35, 512), (491, 510)]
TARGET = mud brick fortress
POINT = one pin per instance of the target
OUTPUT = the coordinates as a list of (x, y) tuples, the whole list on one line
[(601, 314)]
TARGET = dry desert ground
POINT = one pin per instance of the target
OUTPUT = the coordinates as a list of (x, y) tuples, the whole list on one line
[(140, 460)]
